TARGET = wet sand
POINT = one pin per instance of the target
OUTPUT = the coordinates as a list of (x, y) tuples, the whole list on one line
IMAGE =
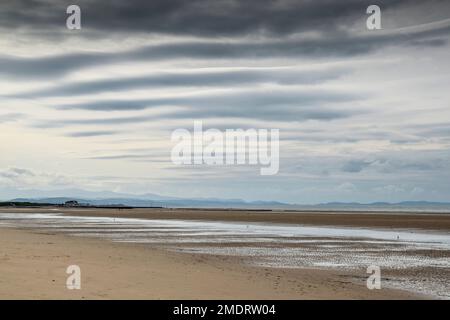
[(426, 221)]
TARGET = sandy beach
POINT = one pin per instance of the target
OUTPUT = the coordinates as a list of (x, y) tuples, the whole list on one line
[(34, 258), (33, 267)]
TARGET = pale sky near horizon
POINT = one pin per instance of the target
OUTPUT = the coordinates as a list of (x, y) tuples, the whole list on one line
[(363, 115)]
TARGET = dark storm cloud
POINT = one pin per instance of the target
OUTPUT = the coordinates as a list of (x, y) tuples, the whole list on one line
[(281, 76), (210, 19), (194, 17)]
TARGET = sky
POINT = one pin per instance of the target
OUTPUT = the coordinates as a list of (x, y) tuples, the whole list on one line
[(364, 115)]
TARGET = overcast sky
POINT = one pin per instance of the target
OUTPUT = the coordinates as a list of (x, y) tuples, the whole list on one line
[(364, 115)]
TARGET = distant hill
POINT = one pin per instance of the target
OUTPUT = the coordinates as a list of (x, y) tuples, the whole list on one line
[(174, 203), (386, 206), (23, 204)]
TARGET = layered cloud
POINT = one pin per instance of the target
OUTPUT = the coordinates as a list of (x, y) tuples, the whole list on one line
[(363, 114)]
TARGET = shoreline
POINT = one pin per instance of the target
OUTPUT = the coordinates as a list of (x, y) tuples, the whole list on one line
[(403, 220)]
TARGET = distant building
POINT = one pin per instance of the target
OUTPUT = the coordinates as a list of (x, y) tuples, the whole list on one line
[(71, 203)]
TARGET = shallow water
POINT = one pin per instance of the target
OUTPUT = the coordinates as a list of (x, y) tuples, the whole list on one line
[(272, 245)]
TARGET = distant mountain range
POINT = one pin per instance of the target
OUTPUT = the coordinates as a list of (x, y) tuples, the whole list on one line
[(102, 198), (151, 200), (8, 194)]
